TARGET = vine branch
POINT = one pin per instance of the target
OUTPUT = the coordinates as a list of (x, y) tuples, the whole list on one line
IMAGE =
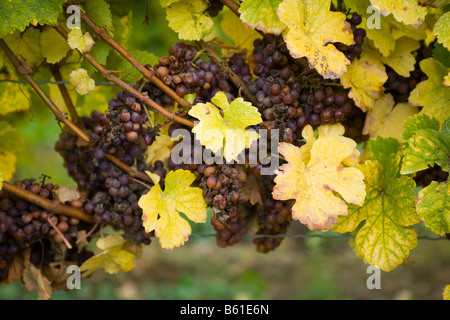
[(60, 116), (51, 206), (148, 74)]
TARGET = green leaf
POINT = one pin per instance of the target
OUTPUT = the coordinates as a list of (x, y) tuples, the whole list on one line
[(10, 144), (165, 3), (433, 207), (442, 31), (262, 15), (425, 148), (417, 122), (54, 47), (18, 14), (441, 54), (26, 45), (431, 93), (130, 74), (386, 235), (13, 96), (188, 19), (100, 13)]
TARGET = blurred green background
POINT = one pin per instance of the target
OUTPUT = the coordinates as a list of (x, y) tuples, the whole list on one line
[(313, 268)]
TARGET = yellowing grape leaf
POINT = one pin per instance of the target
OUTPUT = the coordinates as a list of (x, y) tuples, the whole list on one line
[(54, 47), (262, 15), (161, 210), (81, 81), (160, 149), (447, 80), (431, 93), (382, 37), (35, 281), (187, 18), (433, 207), (313, 184), (227, 132), (242, 37), (13, 96), (1, 180), (10, 144), (407, 11), (401, 59), (115, 256), (386, 120), (426, 147), (442, 30), (312, 28), (77, 40), (388, 212), (365, 78), (446, 293)]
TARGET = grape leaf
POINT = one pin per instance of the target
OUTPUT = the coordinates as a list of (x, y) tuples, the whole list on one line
[(165, 3), (433, 207), (54, 47), (242, 37), (34, 280), (401, 59), (115, 256), (262, 15), (1, 180), (227, 132), (313, 184), (431, 93), (100, 13), (365, 78), (442, 30), (417, 122), (388, 212), (26, 45), (382, 37), (160, 149), (13, 97), (187, 18), (161, 209), (10, 144), (426, 147), (81, 81), (407, 11), (18, 14), (386, 120), (77, 40), (446, 293), (447, 80), (312, 28)]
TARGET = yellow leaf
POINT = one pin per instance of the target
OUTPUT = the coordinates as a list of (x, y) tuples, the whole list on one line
[(447, 80), (402, 59), (385, 120), (78, 40), (161, 210), (365, 77), (112, 258), (242, 37), (312, 28), (227, 132), (407, 11), (81, 81), (160, 149), (313, 184)]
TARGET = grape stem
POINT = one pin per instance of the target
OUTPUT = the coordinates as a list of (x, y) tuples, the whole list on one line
[(50, 222), (51, 206), (144, 98), (148, 74), (62, 117), (233, 76)]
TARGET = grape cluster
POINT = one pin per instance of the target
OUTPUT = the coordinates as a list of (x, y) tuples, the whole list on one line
[(400, 87), (215, 6), (186, 72), (25, 225), (353, 51), (113, 196), (289, 101), (274, 218)]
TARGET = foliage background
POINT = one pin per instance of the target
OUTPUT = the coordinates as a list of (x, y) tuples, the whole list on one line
[(313, 268)]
